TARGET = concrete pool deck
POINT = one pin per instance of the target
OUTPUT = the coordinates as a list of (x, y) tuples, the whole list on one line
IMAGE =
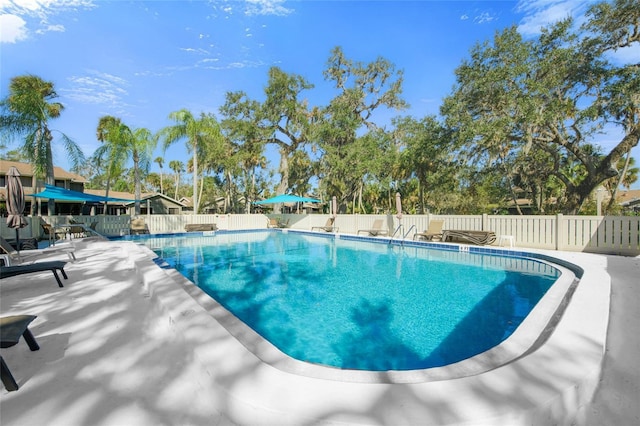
[(123, 344)]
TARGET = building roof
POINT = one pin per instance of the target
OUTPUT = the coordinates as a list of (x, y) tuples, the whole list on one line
[(628, 198), (631, 194), (116, 194), (26, 169), (127, 195)]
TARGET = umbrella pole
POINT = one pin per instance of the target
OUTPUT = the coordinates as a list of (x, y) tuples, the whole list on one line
[(18, 240)]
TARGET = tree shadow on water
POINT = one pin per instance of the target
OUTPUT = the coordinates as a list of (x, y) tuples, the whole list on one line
[(374, 346), (491, 321)]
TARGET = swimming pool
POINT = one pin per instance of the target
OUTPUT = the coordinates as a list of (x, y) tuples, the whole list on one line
[(388, 298)]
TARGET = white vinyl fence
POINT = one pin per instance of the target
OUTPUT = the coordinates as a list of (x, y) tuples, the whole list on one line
[(597, 234)]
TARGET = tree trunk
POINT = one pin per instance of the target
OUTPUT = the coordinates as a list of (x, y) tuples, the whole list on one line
[(136, 182), (201, 187), (614, 191), (50, 179), (176, 179), (421, 184), (195, 177), (283, 186)]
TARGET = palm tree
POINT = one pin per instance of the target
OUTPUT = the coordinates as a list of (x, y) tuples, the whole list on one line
[(26, 111), (141, 147), (177, 167), (160, 162), (111, 132), (197, 132), (120, 143)]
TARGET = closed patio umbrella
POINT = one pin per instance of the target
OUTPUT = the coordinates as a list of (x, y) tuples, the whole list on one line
[(334, 206), (15, 203)]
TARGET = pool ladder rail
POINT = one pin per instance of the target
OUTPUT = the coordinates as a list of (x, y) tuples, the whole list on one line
[(400, 229)]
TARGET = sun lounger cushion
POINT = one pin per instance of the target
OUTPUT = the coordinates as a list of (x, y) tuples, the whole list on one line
[(53, 266), (473, 237), (195, 227)]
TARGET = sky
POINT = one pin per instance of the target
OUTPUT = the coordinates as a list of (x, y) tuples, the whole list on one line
[(142, 60)]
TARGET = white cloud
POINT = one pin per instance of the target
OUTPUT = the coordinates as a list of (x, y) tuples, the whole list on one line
[(193, 50), (17, 16), (232, 65), (266, 7), (250, 7), (464, 17), (541, 13), (483, 18), (12, 28), (97, 88), (54, 28)]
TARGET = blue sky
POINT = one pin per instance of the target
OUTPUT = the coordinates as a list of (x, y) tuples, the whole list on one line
[(141, 60)]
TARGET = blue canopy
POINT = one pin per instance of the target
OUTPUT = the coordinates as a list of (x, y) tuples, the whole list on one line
[(61, 194), (287, 198)]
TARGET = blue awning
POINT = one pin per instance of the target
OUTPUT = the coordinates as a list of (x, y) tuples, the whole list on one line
[(286, 198), (61, 194)]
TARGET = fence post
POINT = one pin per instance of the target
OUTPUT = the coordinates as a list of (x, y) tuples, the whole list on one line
[(485, 222), (560, 231)]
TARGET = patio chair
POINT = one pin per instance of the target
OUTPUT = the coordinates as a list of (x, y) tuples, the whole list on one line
[(54, 266), (77, 229), (138, 226), (376, 229), (277, 223), (328, 227), (52, 233), (11, 328), (434, 232), (11, 256)]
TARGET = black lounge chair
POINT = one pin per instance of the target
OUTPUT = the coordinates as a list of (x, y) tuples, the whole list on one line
[(11, 328), (53, 266)]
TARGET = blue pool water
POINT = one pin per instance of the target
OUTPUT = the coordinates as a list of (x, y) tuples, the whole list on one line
[(362, 305)]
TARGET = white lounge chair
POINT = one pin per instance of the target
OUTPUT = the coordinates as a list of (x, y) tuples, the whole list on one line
[(11, 256), (328, 227), (376, 229), (434, 232)]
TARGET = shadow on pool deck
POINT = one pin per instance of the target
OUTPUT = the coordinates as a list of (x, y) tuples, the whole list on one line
[(111, 356), (616, 399)]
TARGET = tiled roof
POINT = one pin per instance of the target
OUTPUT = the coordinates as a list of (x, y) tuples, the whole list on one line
[(116, 194), (632, 194), (26, 170)]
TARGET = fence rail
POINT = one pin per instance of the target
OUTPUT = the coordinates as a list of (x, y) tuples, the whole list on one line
[(596, 234)]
